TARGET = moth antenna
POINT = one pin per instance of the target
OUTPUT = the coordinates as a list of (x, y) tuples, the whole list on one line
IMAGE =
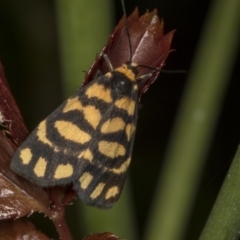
[(154, 69), (174, 71), (127, 29), (164, 71)]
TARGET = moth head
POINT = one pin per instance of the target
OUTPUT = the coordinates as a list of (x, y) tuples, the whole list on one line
[(123, 78)]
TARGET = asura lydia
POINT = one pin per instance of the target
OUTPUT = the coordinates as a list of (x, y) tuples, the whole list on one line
[(87, 141)]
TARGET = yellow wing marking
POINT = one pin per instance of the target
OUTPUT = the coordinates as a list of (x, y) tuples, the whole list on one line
[(99, 91), (26, 155), (91, 113), (111, 149), (126, 104), (130, 128), (123, 168), (112, 192), (40, 167), (85, 180), (126, 71), (70, 131), (42, 133), (63, 171), (73, 104), (113, 125), (86, 155), (97, 191)]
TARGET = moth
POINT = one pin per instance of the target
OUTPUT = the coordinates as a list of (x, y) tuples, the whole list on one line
[(87, 141)]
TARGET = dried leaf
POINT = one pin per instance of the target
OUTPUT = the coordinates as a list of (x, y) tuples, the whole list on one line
[(149, 44), (19, 230)]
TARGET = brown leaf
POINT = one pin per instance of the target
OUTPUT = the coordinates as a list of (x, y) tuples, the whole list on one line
[(20, 229), (102, 236), (149, 44)]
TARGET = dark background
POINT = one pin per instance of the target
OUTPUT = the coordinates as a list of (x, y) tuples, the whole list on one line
[(33, 70)]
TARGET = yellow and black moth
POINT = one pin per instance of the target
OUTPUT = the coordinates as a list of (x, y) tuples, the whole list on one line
[(86, 141)]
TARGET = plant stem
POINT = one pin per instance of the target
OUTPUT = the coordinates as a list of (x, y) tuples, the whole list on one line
[(83, 27), (223, 222)]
